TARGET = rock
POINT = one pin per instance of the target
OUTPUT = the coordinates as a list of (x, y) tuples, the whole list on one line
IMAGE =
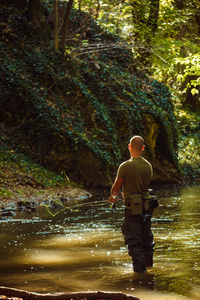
[(26, 206)]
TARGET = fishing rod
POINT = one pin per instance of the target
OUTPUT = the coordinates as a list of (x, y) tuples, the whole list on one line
[(89, 203), (78, 205), (98, 202), (73, 207)]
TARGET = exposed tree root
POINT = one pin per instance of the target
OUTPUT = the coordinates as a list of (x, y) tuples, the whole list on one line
[(25, 295)]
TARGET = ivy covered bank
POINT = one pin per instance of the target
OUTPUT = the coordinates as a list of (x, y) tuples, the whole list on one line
[(74, 113)]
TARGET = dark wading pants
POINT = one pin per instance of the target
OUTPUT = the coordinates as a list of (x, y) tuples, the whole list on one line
[(139, 239)]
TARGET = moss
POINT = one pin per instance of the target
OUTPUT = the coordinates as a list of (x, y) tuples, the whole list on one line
[(5, 193)]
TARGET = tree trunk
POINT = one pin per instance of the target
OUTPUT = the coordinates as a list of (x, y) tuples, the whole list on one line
[(34, 13), (97, 10), (153, 16), (79, 5), (65, 25), (56, 24), (138, 17), (145, 28), (197, 17)]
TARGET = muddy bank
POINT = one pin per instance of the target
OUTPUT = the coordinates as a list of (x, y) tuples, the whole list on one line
[(28, 199)]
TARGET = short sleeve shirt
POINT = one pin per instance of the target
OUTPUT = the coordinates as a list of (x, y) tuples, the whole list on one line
[(136, 173)]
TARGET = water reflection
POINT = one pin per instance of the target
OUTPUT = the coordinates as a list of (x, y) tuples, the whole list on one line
[(84, 250)]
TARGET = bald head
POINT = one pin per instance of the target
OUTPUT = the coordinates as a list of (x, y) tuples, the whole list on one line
[(136, 145)]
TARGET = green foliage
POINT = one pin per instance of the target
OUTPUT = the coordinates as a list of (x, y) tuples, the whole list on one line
[(91, 97), (192, 69), (175, 46), (5, 193), (189, 137)]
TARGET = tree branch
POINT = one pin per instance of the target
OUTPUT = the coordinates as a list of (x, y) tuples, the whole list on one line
[(10, 292)]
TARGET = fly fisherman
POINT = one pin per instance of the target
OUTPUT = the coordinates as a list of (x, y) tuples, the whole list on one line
[(134, 176)]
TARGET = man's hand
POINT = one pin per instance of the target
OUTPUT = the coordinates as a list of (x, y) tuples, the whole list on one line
[(112, 199)]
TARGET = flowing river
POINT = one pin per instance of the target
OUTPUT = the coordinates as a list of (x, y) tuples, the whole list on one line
[(83, 249)]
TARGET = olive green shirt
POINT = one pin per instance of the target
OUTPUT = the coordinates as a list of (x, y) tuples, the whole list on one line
[(136, 173)]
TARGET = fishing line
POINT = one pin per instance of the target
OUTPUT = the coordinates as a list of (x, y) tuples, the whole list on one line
[(79, 205), (72, 207)]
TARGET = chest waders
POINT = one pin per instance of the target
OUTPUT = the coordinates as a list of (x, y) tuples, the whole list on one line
[(136, 229)]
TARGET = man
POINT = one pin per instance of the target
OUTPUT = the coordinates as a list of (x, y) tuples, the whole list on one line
[(134, 176)]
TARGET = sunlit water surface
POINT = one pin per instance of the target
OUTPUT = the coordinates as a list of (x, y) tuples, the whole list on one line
[(83, 250)]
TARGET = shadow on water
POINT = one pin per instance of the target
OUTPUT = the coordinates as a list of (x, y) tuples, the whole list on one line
[(83, 250)]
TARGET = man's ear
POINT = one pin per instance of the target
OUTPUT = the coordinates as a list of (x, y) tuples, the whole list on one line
[(143, 147), (129, 147)]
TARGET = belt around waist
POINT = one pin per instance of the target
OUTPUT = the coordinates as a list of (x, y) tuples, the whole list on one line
[(128, 205)]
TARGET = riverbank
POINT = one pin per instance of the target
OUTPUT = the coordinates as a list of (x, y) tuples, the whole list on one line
[(27, 198)]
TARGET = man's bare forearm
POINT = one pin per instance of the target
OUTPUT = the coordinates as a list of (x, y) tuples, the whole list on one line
[(116, 188)]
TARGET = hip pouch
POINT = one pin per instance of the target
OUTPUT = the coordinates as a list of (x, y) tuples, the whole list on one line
[(136, 204), (150, 202)]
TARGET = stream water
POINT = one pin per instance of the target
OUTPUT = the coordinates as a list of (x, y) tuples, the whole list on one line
[(83, 250)]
